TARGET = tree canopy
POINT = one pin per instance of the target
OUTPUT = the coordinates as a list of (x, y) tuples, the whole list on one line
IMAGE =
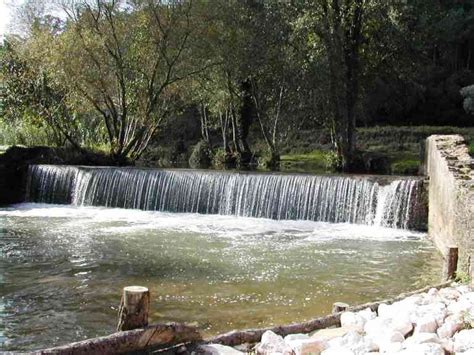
[(116, 74)]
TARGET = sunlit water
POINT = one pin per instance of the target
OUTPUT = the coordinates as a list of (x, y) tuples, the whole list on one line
[(62, 269)]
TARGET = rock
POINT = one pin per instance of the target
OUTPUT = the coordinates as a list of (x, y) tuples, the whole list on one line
[(308, 346), (464, 340), (426, 324), (449, 294), (423, 349), (354, 342), (391, 348), (337, 351), (386, 337), (451, 325), (367, 314), (421, 338), (331, 333), (433, 292), (375, 326), (217, 349), (272, 343), (448, 345), (291, 337), (352, 320)]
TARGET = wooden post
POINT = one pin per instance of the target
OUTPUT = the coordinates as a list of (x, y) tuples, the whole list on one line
[(134, 307), (450, 263), (339, 307)]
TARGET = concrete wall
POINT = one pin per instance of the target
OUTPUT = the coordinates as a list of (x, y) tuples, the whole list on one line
[(451, 194)]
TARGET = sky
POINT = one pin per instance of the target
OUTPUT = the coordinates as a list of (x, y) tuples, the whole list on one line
[(5, 14)]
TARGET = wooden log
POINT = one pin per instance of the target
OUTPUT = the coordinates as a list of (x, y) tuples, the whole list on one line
[(339, 307), (131, 340), (134, 308), (450, 263)]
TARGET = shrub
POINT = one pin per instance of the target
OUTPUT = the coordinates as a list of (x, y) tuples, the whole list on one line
[(201, 156)]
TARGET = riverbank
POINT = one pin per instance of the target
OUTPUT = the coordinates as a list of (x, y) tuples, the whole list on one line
[(432, 322)]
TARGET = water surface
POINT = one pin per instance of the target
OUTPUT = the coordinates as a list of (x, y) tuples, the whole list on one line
[(62, 269)]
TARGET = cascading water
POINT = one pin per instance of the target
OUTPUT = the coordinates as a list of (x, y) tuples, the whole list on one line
[(276, 196)]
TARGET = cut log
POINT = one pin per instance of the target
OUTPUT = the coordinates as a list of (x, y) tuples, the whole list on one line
[(339, 307), (450, 263), (132, 340), (134, 308)]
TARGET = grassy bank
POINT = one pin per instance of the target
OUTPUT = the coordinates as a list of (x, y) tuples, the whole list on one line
[(401, 147)]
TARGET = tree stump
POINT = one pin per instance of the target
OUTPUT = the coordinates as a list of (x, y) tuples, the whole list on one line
[(450, 263), (134, 308), (339, 307)]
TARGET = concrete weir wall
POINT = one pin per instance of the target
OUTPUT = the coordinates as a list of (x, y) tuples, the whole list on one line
[(451, 194)]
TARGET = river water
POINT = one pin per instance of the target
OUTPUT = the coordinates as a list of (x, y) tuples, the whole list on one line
[(62, 268)]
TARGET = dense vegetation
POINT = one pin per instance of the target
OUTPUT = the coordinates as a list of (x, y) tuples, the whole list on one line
[(239, 81)]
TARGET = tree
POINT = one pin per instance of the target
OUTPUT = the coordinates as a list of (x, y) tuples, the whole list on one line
[(125, 61)]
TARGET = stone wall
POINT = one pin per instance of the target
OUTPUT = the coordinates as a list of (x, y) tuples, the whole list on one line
[(451, 194)]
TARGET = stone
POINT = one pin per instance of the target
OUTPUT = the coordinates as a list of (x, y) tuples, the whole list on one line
[(354, 342), (308, 346), (217, 349), (451, 325), (421, 338), (426, 324), (331, 333), (367, 314), (272, 343), (464, 340), (449, 294), (423, 349), (352, 320), (291, 337), (337, 351), (385, 338), (375, 326)]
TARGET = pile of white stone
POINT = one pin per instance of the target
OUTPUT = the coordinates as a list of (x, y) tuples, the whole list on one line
[(435, 322)]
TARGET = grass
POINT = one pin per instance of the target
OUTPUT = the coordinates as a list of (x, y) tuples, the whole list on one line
[(471, 149), (316, 161)]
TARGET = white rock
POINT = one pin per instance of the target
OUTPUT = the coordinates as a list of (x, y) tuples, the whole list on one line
[(218, 349), (449, 294), (272, 343), (464, 340), (426, 324), (367, 314), (291, 337), (423, 349), (352, 320), (308, 346), (421, 338), (375, 326), (437, 310), (385, 338), (433, 292), (391, 348), (451, 325), (448, 345), (337, 351), (463, 289), (354, 342)]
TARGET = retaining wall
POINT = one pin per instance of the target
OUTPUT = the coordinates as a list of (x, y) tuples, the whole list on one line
[(451, 194)]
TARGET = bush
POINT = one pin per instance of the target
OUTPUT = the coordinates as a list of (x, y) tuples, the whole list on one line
[(201, 156)]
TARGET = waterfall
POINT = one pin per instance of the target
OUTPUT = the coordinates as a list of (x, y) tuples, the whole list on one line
[(277, 196)]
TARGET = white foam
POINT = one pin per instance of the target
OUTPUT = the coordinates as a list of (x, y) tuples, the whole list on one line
[(216, 225)]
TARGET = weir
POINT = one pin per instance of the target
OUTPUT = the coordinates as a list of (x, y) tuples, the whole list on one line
[(339, 199)]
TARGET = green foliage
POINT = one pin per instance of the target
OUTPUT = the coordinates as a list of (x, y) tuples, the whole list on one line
[(201, 156)]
